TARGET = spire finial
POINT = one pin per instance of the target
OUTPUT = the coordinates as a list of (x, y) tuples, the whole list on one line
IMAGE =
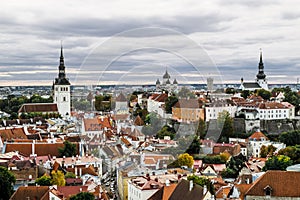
[(260, 55), (61, 49)]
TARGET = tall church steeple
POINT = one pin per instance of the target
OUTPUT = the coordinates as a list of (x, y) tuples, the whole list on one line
[(61, 80), (61, 89), (261, 74)]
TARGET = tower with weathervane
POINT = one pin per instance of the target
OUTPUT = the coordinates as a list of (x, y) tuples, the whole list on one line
[(62, 90)]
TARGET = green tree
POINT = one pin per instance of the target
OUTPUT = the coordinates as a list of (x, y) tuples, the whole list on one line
[(290, 138), (265, 94), (201, 129), (185, 160), (70, 175), (291, 151), (83, 196), (280, 162), (267, 150), (230, 91), (68, 150), (7, 179), (202, 181), (58, 178), (217, 159), (194, 147), (166, 131), (234, 166), (245, 94), (169, 103), (44, 180), (226, 123), (103, 102), (185, 93)]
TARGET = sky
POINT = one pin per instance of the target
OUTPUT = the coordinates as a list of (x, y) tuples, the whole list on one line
[(136, 41)]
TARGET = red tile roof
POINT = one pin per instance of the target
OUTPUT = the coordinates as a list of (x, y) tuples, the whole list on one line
[(12, 133), (258, 135), (41, 149), (30, 192), (282, 184), (38, 107), (69, 191)]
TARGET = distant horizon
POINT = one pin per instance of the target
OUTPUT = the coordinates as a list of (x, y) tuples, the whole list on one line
[(135, 41)]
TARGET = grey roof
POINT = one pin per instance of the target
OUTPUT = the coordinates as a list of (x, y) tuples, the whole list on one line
[(251, 85)]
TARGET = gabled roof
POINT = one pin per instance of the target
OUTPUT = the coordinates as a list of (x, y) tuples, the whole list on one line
[(272, 105), (68, 191), (121, 98), (41, 149), (282, 183), (138, 121), (251, 85), (38, 107), (164, 193), (30, 192), (187, 103), (12, 133), (257, 136), (182, 191)]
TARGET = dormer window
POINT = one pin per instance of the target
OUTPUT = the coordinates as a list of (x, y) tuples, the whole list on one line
[(268, 190)]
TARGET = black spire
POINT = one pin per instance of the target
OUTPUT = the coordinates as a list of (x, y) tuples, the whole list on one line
[(61, 80), (261, 74)]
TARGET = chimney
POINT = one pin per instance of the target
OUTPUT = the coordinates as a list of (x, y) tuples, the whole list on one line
[(204, 189), (179, 176), (167, 182), (191, 185)]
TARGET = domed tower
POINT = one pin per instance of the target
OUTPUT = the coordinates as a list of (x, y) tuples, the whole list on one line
[(166, 77), (62, 90)]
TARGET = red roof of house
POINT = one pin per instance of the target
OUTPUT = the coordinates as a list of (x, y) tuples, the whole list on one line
[(69, 191), (258, 135), (38, 107), (41, 149), (12, 133), (281, 183), (30, 192)]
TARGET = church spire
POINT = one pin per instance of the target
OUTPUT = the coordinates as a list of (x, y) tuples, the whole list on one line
[(61, 80), (261, 74)]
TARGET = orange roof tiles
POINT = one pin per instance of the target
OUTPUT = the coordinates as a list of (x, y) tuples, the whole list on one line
[(258, 135), (38, 107), (30, 192), (282, 184), (12, 133)]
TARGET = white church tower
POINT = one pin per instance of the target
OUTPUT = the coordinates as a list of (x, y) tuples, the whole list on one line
[(62, 90)]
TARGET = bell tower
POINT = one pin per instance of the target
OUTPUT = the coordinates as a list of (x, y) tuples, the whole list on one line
[(61, 89)]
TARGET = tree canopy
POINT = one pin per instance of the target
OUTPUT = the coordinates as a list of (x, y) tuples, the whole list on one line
[(58, 178), (185, 160), (83, 196), (279, 162), (68, 150), (290, 138), (225, 122), (7, 179), (234, 166), (166, 131), (291, 151), (44, 180), (170, 102), (265, 94)]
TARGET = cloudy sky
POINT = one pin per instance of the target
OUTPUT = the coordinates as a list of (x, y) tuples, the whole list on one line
[(115, 42)]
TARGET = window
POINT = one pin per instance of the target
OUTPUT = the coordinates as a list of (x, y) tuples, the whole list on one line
[(64, 99)]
